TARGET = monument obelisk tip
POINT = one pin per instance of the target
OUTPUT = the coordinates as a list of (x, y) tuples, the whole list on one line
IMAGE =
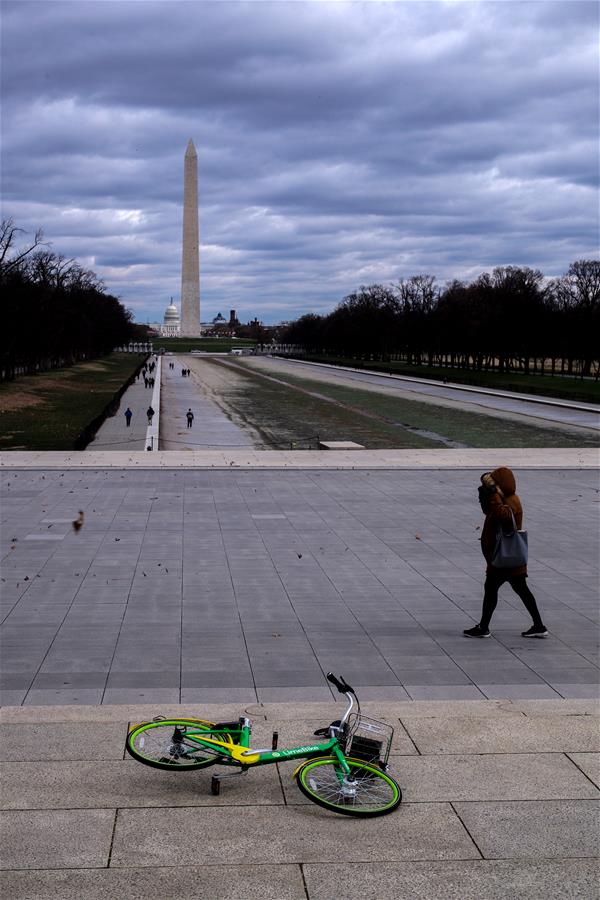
[(190, 149)]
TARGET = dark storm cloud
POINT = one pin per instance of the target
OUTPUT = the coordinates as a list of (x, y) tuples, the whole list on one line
[(338, 144)]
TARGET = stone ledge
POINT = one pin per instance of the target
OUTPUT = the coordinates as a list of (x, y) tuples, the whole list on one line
[(480, 458)]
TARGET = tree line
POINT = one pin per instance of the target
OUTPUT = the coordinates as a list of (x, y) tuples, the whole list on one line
[(512, 319), (54, 311)]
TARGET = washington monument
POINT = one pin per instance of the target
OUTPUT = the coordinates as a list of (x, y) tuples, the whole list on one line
[(190, 263)]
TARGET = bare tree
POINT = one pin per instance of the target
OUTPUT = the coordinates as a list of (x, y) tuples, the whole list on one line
[(8, 233)]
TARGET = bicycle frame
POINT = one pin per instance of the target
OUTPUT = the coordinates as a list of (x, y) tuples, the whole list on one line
[(241, 754)]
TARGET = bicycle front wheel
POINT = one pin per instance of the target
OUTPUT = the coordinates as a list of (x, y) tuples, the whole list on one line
[(366, 791), (166, 744)]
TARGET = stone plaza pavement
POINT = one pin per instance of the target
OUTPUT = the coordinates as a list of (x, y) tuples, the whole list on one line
[(217, 589), (500, 801), (209, 585)]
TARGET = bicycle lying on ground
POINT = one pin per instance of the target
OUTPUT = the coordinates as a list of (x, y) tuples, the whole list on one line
[(347, 773)]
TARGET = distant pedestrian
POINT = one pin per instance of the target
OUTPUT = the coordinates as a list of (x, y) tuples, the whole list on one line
[(149, 413), (128, 415), (503, 510), (145, 382), (190, 418), (183, 373)]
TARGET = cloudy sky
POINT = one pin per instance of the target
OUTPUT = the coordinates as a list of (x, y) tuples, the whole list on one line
[(339, 143)]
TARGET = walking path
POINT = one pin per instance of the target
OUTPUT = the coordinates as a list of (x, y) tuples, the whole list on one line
[(114, 435), (211, 427)]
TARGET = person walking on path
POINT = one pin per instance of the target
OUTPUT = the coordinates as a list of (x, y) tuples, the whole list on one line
[(128, 415), (190, 418), (149, 413), (500, 503)]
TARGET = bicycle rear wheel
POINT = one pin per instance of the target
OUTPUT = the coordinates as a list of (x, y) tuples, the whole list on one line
[(367, 791), (166, 744)]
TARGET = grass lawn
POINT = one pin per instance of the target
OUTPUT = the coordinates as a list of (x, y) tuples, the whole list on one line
[(209, 345), (376, 420), (48, 411), (562, 387)]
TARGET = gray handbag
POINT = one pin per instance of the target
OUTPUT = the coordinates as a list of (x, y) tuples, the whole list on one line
[(511, 548)]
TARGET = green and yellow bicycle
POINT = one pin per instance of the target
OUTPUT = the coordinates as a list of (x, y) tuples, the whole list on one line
[(347, 773)]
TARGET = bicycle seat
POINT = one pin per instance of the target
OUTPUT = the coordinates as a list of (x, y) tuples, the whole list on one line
[(323, 731)]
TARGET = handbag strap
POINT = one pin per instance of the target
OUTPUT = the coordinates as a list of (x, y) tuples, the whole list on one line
[(514, 524)]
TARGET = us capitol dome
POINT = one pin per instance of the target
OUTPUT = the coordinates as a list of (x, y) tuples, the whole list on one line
[(171, 315), (170, 325)]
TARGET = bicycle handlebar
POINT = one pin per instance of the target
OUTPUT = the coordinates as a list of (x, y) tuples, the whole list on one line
[(341, 684)]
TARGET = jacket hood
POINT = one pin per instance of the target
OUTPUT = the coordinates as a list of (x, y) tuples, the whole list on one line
[(505, 480)]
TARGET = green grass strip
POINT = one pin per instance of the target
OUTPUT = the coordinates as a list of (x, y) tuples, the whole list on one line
[(48, 411)]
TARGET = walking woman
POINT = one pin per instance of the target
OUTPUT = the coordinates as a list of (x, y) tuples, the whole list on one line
[(499, 502)]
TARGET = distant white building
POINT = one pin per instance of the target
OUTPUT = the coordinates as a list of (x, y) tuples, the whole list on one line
[(171, 324)]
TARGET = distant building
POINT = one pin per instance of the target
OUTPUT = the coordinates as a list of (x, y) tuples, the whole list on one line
[(170, 325)]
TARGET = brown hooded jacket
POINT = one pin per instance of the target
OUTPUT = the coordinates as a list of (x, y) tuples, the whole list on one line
[(498, 509)]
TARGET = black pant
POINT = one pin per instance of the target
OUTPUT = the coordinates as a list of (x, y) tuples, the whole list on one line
[(518, 583)]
